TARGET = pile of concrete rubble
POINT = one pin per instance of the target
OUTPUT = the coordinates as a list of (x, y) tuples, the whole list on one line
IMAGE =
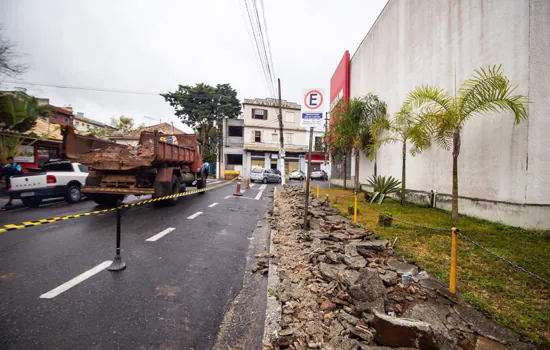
[(339, 287), (124, 151)]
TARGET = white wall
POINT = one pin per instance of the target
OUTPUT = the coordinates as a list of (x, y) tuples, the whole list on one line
[(419, 42)]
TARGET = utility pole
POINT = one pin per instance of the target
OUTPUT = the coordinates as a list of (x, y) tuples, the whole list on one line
[(308, 179), (326, 131), (281, 137)]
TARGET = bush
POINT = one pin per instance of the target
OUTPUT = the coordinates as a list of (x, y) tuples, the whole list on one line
[(383, 186), (350, 209), (384, 220)]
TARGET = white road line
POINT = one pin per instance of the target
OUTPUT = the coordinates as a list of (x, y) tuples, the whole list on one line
[(259, 195), (80, 278), (213, 183), (194, 215), (160, 234), (212, 205), (262, 187), (252, 185), (227, 197)]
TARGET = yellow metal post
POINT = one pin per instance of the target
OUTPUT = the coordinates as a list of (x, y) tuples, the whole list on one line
[(318, 195), (355, 207), (454, 247)]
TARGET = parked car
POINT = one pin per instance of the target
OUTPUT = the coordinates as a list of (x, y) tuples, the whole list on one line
[(297, 175), (276, 171), (319, 175), (264, 175), (57, 179)]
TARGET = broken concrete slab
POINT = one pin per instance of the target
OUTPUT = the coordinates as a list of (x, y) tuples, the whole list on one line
[(330, 271), (389, 277), (399, 332), (375, 245), (486, 344), (478, 322)]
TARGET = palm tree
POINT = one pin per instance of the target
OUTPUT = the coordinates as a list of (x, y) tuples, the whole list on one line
[(442, 116), (353, 126), (400, 130)]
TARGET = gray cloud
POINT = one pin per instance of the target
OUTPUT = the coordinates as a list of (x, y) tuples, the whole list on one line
[(154, 46)]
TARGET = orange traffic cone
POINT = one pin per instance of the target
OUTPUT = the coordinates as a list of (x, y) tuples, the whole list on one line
[(247, 183), (238, 192)]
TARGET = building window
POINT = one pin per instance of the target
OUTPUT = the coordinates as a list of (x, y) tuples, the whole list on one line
[(259, 113), (274, 137), (235, 131), (76, 123), (257, 136), (235, 159), (289, 139), (289, 117)]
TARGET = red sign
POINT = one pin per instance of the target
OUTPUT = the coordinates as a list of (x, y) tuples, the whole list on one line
[(339, 83)]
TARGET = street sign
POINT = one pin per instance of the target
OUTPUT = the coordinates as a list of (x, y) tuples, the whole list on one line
[(313, 108)]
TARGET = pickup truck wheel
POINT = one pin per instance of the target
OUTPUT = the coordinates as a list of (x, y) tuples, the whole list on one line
[(174, 189), (32, 202), (109, 200), (73, 194)]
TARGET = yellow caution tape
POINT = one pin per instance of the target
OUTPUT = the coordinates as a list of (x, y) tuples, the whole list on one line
[(25, 224)]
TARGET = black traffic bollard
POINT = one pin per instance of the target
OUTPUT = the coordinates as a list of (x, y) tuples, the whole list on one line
[(117, 263)]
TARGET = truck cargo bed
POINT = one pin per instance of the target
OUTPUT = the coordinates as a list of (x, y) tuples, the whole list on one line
[(106, 155)]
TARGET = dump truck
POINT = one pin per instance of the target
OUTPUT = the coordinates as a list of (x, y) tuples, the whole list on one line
[(159, 165)]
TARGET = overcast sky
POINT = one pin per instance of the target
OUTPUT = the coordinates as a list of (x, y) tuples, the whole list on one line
[(152, 46)]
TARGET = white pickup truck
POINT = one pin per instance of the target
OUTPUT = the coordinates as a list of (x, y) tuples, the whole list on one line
[(56, 179)]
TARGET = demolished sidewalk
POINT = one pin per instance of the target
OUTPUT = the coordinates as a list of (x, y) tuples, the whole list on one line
[(339, 287)]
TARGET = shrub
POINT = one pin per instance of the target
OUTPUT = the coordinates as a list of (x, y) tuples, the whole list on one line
[(383, 186), (350, 209), (384, 220)]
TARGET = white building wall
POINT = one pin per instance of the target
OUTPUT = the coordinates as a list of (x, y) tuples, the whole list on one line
[(440, 43)]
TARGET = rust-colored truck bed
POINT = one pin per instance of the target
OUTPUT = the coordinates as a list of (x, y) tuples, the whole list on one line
[(106, 155)]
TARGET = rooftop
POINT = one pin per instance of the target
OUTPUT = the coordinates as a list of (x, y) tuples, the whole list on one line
[(271, 102), (91, 121), (163, 128)]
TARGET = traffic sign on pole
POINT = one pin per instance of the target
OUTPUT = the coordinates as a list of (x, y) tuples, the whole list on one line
[(313, 108)]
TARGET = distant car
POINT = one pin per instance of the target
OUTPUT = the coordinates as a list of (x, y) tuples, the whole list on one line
[(319, 175), (264, 175), (297, 175), (56, 179)]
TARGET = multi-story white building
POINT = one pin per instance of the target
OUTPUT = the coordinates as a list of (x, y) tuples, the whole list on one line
[(504, 169), (253, 141), (85, 124)]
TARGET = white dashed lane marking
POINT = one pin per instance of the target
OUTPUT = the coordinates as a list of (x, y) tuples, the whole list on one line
[(212, 205), (78, 279), (160, 234), (194, 215)]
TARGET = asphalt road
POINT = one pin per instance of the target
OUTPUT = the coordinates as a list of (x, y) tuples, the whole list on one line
[(172, 295)]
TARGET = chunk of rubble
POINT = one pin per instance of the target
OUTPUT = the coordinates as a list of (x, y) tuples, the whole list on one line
[(402, 268), (330, 271), (369, 287), (400, 332)]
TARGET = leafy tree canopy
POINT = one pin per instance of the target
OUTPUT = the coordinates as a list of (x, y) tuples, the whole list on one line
[(122, 124), (18, 112)]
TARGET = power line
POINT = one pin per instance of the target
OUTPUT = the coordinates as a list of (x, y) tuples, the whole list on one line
[(268, 43), (260, 44), (73, 87)]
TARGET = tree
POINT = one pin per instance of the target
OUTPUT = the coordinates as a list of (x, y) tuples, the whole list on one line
[(354, 127), (400, 129), (8, 58), (123, 124), (18, 114), (203, 106), (442, 116)]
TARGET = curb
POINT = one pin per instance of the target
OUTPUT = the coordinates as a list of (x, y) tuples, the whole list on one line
[(273, 308)]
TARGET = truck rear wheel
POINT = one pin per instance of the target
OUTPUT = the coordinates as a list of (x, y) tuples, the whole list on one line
[(174, 189), (201, 183), (109, 200)]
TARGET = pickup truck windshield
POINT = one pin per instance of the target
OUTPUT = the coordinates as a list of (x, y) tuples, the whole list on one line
[(58, 167)]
